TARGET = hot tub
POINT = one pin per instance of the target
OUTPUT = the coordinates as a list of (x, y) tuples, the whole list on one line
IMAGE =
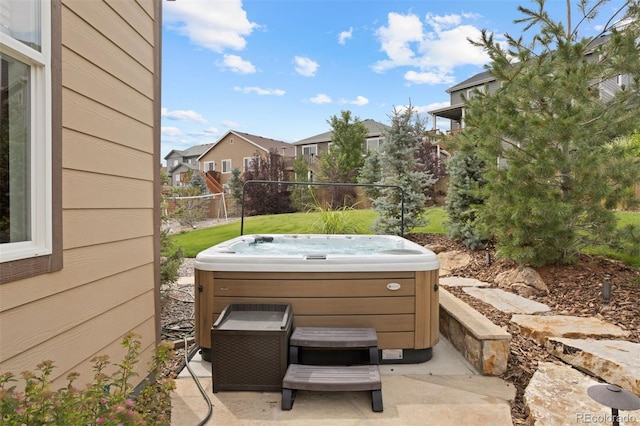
[(380, 281)]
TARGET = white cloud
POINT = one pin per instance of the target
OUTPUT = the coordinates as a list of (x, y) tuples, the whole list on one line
[(396, 38), (229, 124), (429, 77), (236, 64), (182, 115), (436, 105), (320, 98), (170, 131), (305, 66), (344, 36), (212, 131), (215, 27), (260, 91), (433, 48), (359, 100)]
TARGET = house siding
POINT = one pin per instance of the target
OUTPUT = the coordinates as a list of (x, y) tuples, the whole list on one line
[(109, 283), (225, 150)]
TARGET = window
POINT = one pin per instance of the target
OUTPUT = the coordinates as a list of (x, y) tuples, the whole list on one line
[(374, 144), (30, 139), (209, 166), (309, 150), (246, 161), (226, 166)]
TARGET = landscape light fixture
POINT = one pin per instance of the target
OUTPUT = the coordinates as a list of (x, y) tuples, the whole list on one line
[(615, 397), (606, 291)]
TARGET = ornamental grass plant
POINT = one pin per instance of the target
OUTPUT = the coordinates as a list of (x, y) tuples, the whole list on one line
[(108, 400)]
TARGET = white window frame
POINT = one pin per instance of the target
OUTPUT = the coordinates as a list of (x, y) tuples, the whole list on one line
[(225, 166), (41, 242), (209, 166), (309, 148)]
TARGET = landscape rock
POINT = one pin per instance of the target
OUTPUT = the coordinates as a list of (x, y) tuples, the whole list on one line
[(541, 327), (524, 281), (506, 301), (436, 248), (557, 396), (615, 361), (450, 260), (453, 281)]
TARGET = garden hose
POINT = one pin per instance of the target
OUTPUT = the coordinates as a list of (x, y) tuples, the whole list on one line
[(188, 355)]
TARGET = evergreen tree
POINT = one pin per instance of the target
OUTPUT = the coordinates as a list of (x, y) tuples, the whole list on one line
[(466, 179), (548, 125), (401, 167), (371, 173), (235, 189), (198, 182)]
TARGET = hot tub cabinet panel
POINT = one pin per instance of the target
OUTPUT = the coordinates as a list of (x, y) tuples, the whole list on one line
[(401, 305)]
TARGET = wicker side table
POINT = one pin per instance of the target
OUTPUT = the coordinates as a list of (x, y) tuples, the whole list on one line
[(249, 347)]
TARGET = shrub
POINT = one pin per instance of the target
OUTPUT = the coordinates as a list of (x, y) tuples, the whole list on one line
[(109, 400), (337, 221)]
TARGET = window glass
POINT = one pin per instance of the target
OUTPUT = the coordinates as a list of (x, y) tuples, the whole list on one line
[(21, 20), (309, 150), (15, 172)]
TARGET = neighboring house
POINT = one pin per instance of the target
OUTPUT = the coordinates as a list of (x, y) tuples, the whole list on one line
[(80, 239), (179, 163), (313, 147), (458, 94), (236, 150), (485, 81)]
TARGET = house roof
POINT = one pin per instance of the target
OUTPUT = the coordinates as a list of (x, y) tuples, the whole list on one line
[(476, 80), (260, 142), (374, 128), (182, 166), (486, 77), (194, 151)]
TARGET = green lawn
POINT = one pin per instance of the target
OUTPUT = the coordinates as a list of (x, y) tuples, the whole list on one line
[(193, 242)]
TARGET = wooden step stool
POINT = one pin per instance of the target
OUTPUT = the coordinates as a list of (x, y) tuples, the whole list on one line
[(333, 377)]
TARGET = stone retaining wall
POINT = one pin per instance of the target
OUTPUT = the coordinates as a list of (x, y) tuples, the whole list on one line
[(481, 342)]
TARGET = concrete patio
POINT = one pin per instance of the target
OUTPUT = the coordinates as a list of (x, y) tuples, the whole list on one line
[(445, 390)]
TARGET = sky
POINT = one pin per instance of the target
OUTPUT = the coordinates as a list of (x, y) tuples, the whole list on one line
[(282, 68)]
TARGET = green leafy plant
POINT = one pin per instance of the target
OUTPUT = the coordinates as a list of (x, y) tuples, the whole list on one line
[(337, 221), (109, 400)]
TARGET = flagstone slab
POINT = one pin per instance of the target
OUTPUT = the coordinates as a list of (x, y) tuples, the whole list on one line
[(541, 327), (615, 361), (452, 281), (557, 396), (506, 301)]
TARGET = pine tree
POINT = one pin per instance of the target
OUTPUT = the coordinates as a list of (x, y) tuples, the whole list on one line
[(466, 179), (401, 167), (235, 189), (371, 173), (549, 125)]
